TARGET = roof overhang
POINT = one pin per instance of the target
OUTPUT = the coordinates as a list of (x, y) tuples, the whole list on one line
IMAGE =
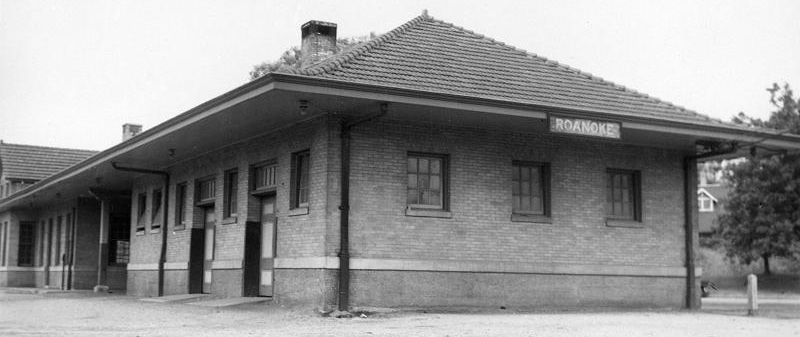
[(271, 103)]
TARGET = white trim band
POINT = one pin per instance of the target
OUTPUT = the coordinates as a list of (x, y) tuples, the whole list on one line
[(482, 267)]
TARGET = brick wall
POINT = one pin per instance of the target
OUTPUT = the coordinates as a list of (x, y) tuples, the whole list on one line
[(298, 235), (480, 199)]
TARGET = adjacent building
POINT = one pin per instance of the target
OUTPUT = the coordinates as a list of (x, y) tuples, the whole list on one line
[(34, 252), (431, 166)]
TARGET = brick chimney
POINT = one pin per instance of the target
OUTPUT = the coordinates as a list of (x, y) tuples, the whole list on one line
[(130, 130), (318, 41)]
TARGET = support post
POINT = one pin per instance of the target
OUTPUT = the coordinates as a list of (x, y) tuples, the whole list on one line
[(752, 295), (102, 258), (690, 231)]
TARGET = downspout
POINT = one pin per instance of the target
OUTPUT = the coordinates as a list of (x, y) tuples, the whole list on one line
[(344, 207), (689, 188), (163, 256)]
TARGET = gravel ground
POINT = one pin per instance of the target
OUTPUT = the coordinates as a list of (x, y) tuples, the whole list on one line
[(84, 314)]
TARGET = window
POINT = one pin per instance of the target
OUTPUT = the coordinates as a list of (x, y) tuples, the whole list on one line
[(118, 240), (265, 177), (300, 161), (206, 191), (155, 221), (180, 205), (68, 228), (42, 240), (623, 195), (427, 181), (530, 188), (27, 242), (141, 207), (231, 193), (706, 204), (3, 244), (57, 242)]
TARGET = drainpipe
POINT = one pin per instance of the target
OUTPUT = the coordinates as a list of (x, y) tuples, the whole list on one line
[(344, 207), (690, 194), (163, 256)]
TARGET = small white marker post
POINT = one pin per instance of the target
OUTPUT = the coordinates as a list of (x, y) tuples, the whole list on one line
[(752, 295)]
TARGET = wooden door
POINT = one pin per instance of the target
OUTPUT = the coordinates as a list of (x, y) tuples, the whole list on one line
[(209, 220), (268, 229)]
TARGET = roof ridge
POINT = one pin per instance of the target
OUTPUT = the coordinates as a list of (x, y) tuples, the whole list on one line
[(46, 147), (340, 60), (572, 69)]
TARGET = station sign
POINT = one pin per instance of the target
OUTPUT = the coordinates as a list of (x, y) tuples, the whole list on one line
[(585, 127)]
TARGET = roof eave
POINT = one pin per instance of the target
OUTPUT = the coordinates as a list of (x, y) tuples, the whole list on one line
[(373, 91)]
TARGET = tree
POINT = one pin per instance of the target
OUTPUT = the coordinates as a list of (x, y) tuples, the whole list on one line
[(290, 59), (762, 218)]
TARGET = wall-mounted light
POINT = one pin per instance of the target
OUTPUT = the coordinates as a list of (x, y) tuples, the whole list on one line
[(171, 153), (303, 105)]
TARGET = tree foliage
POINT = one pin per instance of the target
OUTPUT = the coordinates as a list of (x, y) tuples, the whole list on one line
[(290, 59), (762, 218)]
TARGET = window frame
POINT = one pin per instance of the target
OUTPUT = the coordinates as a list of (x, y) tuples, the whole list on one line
[(26, 249), (299, 178), (545, 188), (3, 242), (141, 212), (181, 202), (701, 199), (230, 195), (199, 190), (116, 235), (267, 166), (636, 195), (157, 205), (444, 177), (57, 248)]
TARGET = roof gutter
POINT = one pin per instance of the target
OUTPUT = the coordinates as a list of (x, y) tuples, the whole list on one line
[(163, 255), (383, 90)]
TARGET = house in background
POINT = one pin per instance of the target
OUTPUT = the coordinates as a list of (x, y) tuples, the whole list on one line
[(712, 192), (431, 166), (710, 203)]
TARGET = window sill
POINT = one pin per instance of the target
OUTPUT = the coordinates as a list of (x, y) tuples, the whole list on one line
[(229, 220), (429, 213), (179, 228), (155, 230), (533, 218), (140, 232), (298, 211), (624, 223), (263, 191)]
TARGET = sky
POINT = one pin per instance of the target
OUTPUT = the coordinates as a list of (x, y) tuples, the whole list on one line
[(72, 72)]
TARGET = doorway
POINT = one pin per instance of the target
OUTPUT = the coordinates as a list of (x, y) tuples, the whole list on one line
[(260, 251), (201, 253)]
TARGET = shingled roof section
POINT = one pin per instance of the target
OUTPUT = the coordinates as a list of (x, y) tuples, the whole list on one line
[(431, 55), (28, 162)]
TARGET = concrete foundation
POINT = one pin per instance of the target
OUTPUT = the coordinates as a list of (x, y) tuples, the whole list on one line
[(315, 286), (434, 289)]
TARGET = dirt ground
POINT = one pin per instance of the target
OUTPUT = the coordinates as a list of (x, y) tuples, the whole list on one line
[(85, 314)]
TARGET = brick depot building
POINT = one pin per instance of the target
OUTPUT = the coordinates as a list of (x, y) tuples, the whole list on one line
[(431, 166)]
